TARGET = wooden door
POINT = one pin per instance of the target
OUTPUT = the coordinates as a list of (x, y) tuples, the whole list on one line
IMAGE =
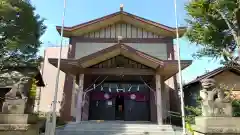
[(136, 110), (102, 109)]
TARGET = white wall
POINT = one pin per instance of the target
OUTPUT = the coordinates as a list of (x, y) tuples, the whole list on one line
[(49, 77), (125, 30), (158, 50)]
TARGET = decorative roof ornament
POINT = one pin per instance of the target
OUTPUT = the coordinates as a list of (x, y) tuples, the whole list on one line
[(121, 7)]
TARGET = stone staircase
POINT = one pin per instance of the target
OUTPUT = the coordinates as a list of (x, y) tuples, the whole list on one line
[(117, 128)]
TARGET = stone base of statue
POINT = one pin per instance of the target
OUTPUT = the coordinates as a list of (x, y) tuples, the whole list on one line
[(13, 121), (14, 106), (18, 119), (217, 126), (19, 124)]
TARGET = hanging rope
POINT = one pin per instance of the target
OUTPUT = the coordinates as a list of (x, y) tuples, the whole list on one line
[(169, 112), (88, 90)]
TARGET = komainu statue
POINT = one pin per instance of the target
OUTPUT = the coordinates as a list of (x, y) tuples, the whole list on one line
[(18, 91), (214, 101), (16, 98)]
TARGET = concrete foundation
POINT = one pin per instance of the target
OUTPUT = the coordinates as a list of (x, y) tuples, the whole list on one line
[(217, 126), (19, 124)]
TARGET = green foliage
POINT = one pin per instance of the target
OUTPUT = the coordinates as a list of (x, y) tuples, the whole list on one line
[(214, 24), (236, 108), (192, 112), (190, 118), (60, 122), (20, 30), (189, 128)]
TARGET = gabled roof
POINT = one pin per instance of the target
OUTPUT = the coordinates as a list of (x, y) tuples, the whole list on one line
[(213, 73), (120, 16), (112, 51), (166, 67)]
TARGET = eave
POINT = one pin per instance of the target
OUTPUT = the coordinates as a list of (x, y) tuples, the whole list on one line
[(167, 68), (121, 16)]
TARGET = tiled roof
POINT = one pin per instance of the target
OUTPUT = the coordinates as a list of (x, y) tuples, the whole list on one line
[(212, 74)]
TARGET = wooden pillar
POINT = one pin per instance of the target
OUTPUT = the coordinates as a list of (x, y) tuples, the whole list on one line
[(159, 99), (79, 98)]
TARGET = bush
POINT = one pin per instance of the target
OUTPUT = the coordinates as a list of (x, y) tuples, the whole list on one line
[(236, 108), (60, 122)]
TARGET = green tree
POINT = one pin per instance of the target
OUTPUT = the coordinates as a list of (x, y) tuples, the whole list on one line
[(236, 108), (20, 30), (214, 24)]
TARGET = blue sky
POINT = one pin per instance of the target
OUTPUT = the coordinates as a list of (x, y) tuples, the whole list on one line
[(79, 11)]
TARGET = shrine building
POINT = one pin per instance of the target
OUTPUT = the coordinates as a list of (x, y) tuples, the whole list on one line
[(119, 67)]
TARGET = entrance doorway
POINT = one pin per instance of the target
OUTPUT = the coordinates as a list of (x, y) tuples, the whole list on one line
[(120, 101), (119, 107)]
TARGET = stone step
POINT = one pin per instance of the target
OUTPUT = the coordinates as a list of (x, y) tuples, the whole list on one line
[(115, 133), (120, 129), (116, 128), (107, 124)]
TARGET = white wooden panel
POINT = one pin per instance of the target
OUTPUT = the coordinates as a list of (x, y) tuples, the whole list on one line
[(92, 35), (113, 31), (150, 35), (97, 34), (102, 33), (140, 34), (134, 32), (128, 30), (122, 29), (124, 26), (108, 30), (144, 34), (155, 36), (118, 30)]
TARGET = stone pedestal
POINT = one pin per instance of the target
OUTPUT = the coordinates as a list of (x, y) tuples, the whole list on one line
[(217, 126), (19, 124), (16, 106)]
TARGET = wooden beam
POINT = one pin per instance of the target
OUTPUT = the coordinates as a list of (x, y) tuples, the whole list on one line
[(159, 99), (125, 40), (80, 99), (117, 71)]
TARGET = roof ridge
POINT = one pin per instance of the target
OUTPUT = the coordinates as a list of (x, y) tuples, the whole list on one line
[(137, 18)]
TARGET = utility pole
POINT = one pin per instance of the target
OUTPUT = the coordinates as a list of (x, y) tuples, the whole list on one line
[(180, 71), (57, 76)]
